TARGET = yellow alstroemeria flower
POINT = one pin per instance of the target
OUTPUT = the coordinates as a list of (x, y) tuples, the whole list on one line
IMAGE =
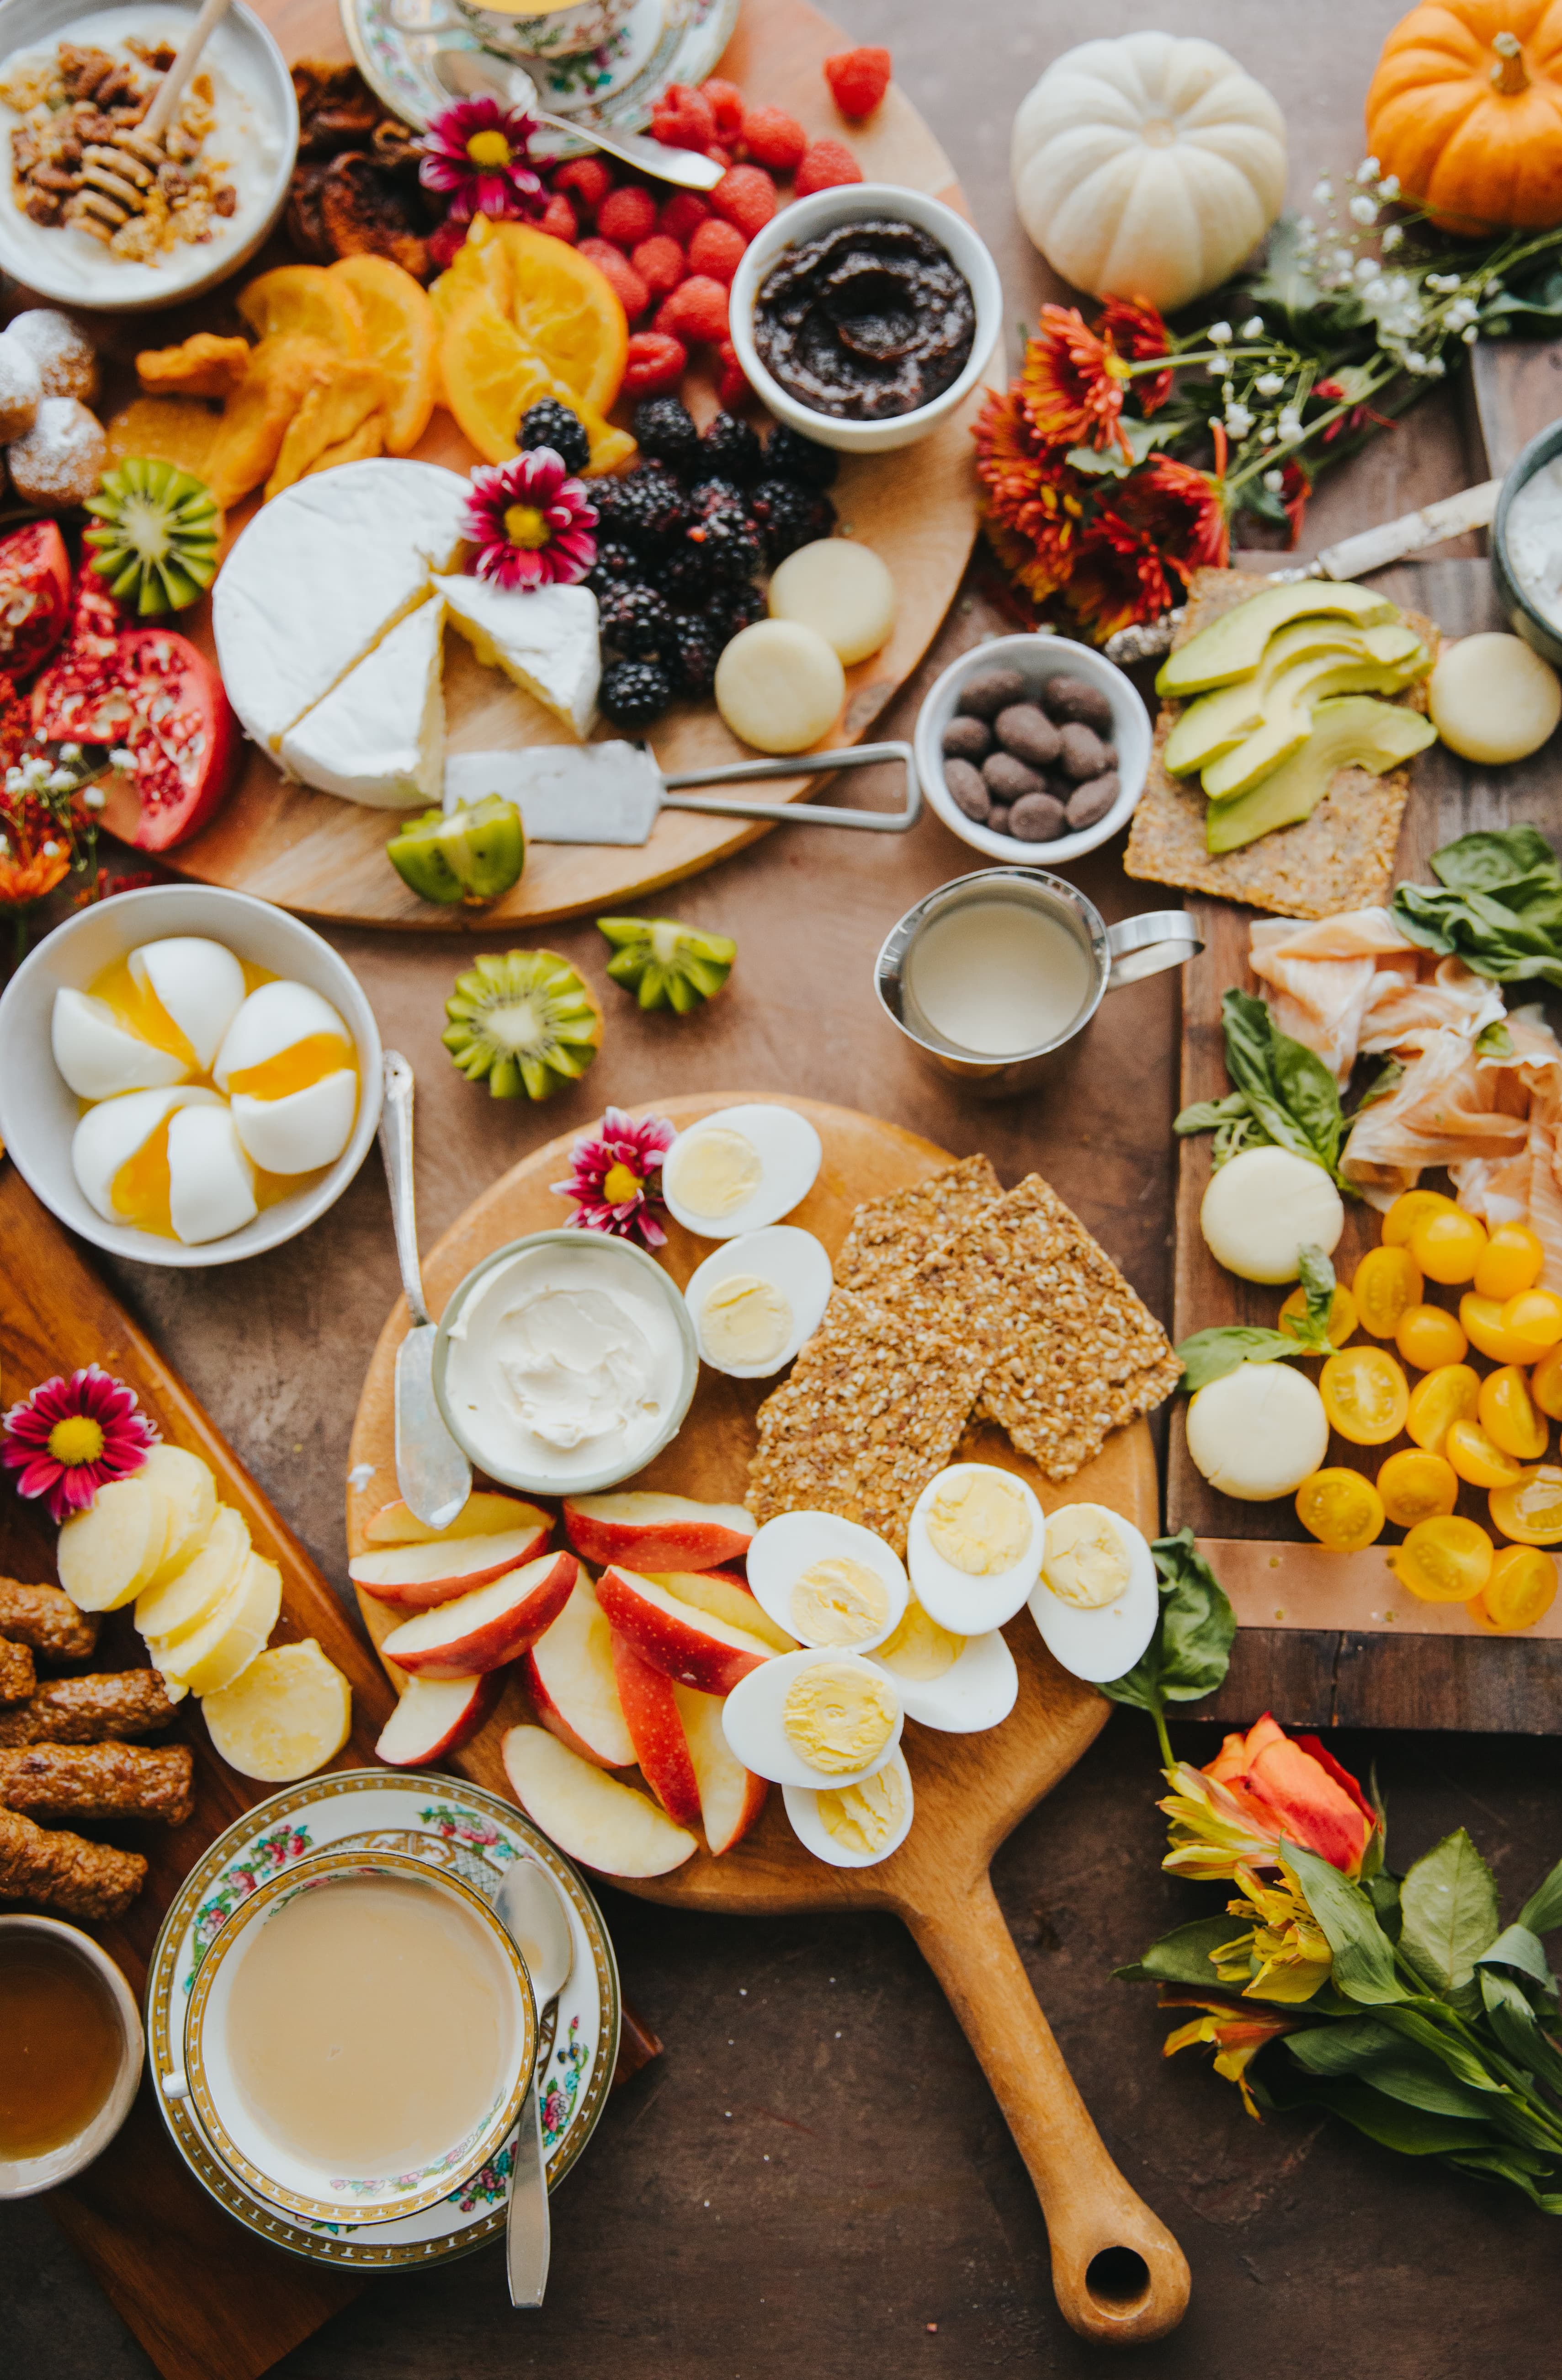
[(1285, 1956), (1236, 2035)]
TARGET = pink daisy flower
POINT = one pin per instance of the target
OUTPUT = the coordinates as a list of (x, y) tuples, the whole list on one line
[(70, 1437), (530, 522), (615, 1179), (479, 152)]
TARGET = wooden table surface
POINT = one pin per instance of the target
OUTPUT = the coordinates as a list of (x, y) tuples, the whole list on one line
[(815, 2180)]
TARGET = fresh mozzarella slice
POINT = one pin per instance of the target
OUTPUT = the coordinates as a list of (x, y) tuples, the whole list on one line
[(197, 983), (1264, 1207), (99, 1058), (545, 640), (307, 1129), (378, 738), (1258, 1431), (211, 1186)]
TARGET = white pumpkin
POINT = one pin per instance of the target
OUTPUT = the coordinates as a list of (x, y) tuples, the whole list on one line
[(1147, 166)]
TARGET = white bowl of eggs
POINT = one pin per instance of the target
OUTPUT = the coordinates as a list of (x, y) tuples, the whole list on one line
[(190, 1077)]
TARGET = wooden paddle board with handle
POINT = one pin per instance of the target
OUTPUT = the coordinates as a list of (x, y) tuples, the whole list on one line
[(1119, 2274)]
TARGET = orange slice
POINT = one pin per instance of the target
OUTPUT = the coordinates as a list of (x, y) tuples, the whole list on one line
[(490, 375), (567, 309), (304, 300), (481, 269), (402, 335)]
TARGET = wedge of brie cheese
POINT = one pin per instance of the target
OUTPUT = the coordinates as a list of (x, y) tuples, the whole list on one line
[(378, 736), (320, 574), (546, 639)]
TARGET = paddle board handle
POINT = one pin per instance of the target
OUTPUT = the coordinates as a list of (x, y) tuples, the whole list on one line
[(1119, 2277)]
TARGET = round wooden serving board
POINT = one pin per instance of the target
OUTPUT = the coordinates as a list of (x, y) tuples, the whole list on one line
[(970, 1791), (326, 858)]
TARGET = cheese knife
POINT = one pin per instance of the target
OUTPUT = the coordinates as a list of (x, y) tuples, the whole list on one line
[(434, 1477), (615, 792)]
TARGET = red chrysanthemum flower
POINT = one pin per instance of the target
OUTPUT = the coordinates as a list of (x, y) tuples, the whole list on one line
[(615, 1179), (530, 522), (1073, 382), (1119, 580), (481, 154), (70, 1437), (1179, 509), (1033, 503), (1134, 329)]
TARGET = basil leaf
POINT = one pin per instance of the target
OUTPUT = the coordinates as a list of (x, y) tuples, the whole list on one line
[(1311, 1329), (1543, 1911), (1208, 1115), (1191, 1650), (1387, 1079), (1493, 1040), (1449, 1906), (1210, 1355), (1290, 1090), (1184, 1956), (1363, 1956), (1500, 908), (1487, 860)]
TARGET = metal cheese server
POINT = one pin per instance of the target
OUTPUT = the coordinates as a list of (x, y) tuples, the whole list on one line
[(433, 1474), (614, 792)]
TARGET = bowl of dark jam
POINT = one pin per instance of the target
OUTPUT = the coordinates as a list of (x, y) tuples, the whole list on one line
[(864, 316)]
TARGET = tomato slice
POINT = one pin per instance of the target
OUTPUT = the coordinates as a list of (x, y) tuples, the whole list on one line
[(1342, 1315), (1545, 1384), (1531, 1513), (1429, 1336), (1415, 1486), (1410, 1207), (1476, 1458), (1511, 1260), (1507, 1413), (1445, 1560), (1388, 1285), (148, 692), (1366, 1395), (1341, 1508), (1521, 1590), (1446, 1395), (1483, 1320)]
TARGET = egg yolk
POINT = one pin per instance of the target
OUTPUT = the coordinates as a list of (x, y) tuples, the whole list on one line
[(863, 1817), (979, 1523), (294, 1068), (745, 1320), (713, 1173), (838, 1718), (838, 1601), (1087, 1563), (143, 1190), (920, 1649)]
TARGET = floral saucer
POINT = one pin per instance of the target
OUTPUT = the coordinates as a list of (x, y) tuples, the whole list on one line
[(451, 1825), (660, 41)]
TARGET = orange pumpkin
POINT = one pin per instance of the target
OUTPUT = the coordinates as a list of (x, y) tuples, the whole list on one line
[(1466, 108)]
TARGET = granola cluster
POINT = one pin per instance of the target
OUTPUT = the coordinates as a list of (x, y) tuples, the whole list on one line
[(79, 159)]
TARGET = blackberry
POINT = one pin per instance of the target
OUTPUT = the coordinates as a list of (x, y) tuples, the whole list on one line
[(634, 693), (740, 607), (685, 575), (730, 447), (549, 423), (698, 638), (615, 560), (666, 430), (789, 515), (712, 491), (645, 506), (730, 543), (635, 620), (797, 457)]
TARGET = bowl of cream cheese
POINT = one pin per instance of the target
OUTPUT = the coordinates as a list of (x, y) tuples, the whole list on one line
[(565, 1362), (1527, 545)]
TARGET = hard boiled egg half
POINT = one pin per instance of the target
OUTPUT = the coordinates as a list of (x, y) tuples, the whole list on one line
[(825, 1720), (166, 1161), (288, 1065), (957, 1684), (756, 1299), (855, 1826), (975, 1546), (1096, 1599), (740, 1168), (829, 1582), (155, 1018)]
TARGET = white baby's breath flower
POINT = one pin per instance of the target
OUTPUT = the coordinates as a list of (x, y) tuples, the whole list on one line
[(1389, 188), (1462, 311), (1238, 421), (1435, 367), (1287, 429), (1471, 334), (1274, 481), (1392, 238), (1343, 260), (1269, 383), (1415, 361), (121, 757), (1267, 435), (51, 850), (94, 797), (1254, 327), (1368, 170), (60, 781), (1442, 282), (1363, 211), (4, 848), (1323, 190), (1217, 367), (70, 753), (1220, 334)]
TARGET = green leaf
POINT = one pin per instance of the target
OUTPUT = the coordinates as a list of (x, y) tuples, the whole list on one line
[(1208, 1115), (1109, 462), (1448, 1903), (1543, 1911), (1286, 285), (1290, 1090), (1184, 1956), (1518, 1946), (1518, 2028), (1209, 1354), (1191, 1650), (1437, 2035), (1311, 1329), (1386, 1080), (1363, 1956), (1348, 2048), (1493, 1040), (1382, 1892), (1494, 857), (1415, 2085), (1500, 909), (1414, 2131)]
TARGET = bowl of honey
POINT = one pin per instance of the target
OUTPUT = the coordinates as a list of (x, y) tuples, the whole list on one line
[(73, 2051)]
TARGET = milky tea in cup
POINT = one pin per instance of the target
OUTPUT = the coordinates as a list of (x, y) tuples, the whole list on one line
[(999, 977)]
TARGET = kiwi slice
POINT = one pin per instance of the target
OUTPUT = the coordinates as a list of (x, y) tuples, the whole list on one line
[(155, 533), (469, 853), (525, 1021), (667, 964)]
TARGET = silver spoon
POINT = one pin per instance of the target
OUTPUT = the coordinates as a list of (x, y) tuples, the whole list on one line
[(532, 1911), (433, 1474), (469, 74)]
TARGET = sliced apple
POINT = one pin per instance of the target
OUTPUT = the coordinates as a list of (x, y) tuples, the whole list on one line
[(656, 1733), (591, 1817), (184, 1603), (484, 1514), (108, 1553), (729, 1598), (569, 1676), (731, 1796), (417, 1577), (693, 1646), (656, 1533), (436, 1716), (219, 1653), (484, 1629), (191, 1486)]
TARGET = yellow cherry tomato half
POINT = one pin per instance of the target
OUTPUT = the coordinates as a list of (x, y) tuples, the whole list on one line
[(1365, 1394), (1478, 1460), (1417, 1487), (1428, 1336), (1531, 1513), (1545, 1384), (1387, 1284), (1446, 1395), (1410, 1207), (1448, 1246), (1505, 1411), (1521, 1590), (1342, 1314), (1341, 1508), (1534, 1314), (1510, 1261), (1443, 1560), (1483, 1320)]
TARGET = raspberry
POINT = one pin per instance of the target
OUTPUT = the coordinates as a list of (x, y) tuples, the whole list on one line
[(717, 249), (559, 219), (720, 156), (682, 216), (446, 243), (773, 137), (620, 275), (732, 386), (746, 196), (588, 179), (626, 215), (696, 309), (684, 118), (858, 80), (660, 263), (726, 102), (826, 165), (656, 362)]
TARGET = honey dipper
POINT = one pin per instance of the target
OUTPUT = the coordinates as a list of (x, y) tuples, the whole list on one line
[(117, 174)]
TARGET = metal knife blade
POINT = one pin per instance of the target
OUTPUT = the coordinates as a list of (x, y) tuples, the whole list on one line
[(434, 1477), (583, 793)]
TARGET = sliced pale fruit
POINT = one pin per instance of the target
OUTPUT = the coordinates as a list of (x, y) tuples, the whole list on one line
[(192, 1489), (569, 1675), (693, 1646), (592, 1817), (219, 1653), (436, 1716), (481, 270), (287, 1713), (731, 1796), (567, 308), (656, 1730), (402, 335), (727, 1598), (109, 1552), (484, 1514), (184, 1602), (487, 1628), (304, 301), (416, 1577)]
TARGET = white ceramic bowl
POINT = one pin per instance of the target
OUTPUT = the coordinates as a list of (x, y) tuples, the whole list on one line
[(806, 219), (1036, 658), (39, 1113), (92, 281), (22, 2177)]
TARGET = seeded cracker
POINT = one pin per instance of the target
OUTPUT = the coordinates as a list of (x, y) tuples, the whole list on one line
[(890, 1236)]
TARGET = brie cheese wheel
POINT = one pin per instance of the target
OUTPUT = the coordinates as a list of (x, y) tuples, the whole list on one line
[(320, 574), (545, 640), (378, 736)]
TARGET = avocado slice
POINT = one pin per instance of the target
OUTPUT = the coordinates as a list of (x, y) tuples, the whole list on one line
[(1214, 722), (1288, 717), (1232, 646), (1353, 731)]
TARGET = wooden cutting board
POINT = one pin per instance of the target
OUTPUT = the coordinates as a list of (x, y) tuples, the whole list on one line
[(1119, 2275), (326, 858)]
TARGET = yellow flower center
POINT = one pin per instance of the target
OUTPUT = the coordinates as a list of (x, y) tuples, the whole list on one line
[(489, 148), (524, 524), (76, 1439), (620, 1184)]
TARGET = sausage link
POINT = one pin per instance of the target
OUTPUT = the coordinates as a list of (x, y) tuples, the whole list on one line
[(18, 1675), (65, 1871), (99, 1780), (115, 1704), (45, 1618)]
